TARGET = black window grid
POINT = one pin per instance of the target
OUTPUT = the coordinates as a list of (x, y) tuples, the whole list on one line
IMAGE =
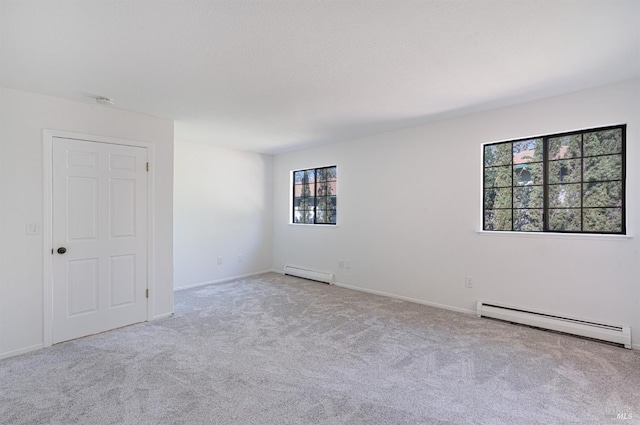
[(319, 209), (546, 161)]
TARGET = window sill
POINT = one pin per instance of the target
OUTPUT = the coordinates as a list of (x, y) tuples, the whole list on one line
[(313, 225), (554, 235)]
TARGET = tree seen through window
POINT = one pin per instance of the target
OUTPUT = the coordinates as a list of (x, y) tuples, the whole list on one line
[(572, 182), (315, 196)]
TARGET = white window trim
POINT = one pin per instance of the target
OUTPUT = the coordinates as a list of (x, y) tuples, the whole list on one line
[(592, 236)]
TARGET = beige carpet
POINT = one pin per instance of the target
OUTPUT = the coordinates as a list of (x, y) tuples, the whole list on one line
[(281, 350)]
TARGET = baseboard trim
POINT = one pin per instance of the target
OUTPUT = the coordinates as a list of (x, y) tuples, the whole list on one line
[(400, 297), (162, 316), (418, 301), (21, 351), (226, 279)]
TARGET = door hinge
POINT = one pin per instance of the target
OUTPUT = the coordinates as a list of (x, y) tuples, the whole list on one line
[(51, 251), (147, 167), (147, 293)]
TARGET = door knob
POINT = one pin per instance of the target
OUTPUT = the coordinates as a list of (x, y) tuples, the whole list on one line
[(62, 250)]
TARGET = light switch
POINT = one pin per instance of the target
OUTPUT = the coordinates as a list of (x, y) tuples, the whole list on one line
[(33, 228)]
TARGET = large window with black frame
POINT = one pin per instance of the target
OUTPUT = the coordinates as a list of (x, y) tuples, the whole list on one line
[(314, 196), (566, 183)]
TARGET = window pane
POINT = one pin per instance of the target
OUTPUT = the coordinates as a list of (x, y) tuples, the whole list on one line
[(497, 220), (332, 188), (325, 217), (305, 204), (497, 154), (606, 220), (497, 198), (528, 197), (323, 203), (524, 174), (333, 202), (607, 194), (303, 217), (331, 173), (331, 217), (310, 202), (321, 174), (497, 177), (321, 188), (310, 216), (298, 176), (565, 147), (528, 220), (310, 175), (565, 171), (326, 174), (565, 220), (603, 142), (601, 168), (565, 196), (527, 151), (302, 190)]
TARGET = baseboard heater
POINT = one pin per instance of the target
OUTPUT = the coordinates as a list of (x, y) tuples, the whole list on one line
[(619, 334), (305, 273)]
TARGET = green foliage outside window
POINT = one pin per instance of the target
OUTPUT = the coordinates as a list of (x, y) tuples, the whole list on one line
[(570, 182)]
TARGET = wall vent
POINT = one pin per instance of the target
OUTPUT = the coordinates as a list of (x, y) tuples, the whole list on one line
[(306, 273), (619, 334)]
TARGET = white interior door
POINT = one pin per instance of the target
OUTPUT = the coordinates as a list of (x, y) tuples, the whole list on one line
[(99, 232)]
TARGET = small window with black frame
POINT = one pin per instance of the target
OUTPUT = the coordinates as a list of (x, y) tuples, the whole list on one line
[(315, 196)]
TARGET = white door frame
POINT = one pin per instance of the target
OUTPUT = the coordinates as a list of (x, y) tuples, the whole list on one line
[(47, 219)]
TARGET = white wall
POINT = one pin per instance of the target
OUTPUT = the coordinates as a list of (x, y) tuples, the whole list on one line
[(23, 117), (409, 212), (222, 208)]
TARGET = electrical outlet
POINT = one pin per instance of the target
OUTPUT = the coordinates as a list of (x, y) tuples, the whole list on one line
[(468, 281), (341, 264), (347, 264), (240, 258), (219, 261)]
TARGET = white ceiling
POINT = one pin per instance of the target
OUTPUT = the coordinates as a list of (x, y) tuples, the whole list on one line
[(275, 75)]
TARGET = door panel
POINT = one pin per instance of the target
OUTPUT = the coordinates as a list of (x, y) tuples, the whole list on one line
[(122, 280), (80, 159), (82, 287), (100, 218), (123, 208), (83, 208), (122, 162)]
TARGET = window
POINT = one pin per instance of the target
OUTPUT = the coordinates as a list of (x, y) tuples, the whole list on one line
[(567, 183), (314, 195)]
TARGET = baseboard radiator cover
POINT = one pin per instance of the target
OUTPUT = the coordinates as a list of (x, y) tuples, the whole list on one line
[(311, 274), (619, 334)]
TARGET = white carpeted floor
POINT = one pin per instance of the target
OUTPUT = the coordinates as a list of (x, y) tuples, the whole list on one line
[(280, 350)]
